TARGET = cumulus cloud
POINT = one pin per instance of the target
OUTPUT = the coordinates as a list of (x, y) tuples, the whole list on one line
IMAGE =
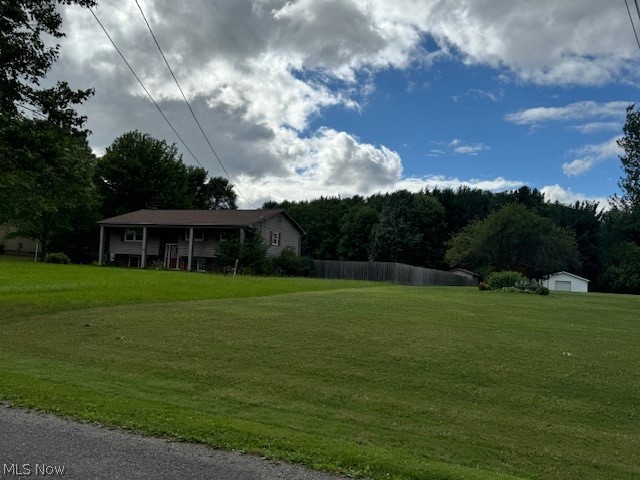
[(259, 72), (591, 155), (556, 193)]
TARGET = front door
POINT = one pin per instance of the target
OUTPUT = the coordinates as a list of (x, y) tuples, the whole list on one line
[(171, 255)]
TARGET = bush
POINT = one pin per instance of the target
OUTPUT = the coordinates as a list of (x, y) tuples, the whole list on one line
[(499, 280), (290, 264), (158, 265), (483, 285), (57, 257), (252, 254), (542, 290)]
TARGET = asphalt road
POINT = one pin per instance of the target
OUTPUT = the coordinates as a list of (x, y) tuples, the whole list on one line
[(37, 445)]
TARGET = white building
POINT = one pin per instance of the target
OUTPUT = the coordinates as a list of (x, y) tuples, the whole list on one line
[(566, 282)]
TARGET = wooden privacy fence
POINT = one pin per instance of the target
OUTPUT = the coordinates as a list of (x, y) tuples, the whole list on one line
[(398, 273)]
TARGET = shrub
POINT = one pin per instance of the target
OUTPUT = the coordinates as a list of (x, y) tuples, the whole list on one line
[(483, 285), (252, 254), (542, 290), (158, 265), (498, 280), (290, 264), (57, 257)]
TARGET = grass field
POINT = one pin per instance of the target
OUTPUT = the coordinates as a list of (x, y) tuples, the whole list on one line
[(371, 380)]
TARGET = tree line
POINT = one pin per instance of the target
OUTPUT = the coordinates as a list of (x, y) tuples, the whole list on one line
[(54, 189)]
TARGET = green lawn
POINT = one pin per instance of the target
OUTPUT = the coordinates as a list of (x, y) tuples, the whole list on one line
[(373, 380)]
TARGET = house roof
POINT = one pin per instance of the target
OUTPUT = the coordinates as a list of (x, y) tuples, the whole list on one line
[(570, 274), (195, 218)]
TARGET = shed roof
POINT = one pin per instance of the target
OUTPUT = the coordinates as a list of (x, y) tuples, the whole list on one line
[(195, 218), (570, 274)]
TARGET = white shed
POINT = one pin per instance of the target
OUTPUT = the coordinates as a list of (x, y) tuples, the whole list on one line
[(566, 282)]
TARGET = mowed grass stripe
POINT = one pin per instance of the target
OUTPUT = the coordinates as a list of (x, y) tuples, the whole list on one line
[(410, 382)]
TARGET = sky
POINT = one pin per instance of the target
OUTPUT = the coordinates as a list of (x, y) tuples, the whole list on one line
[(309, 98)]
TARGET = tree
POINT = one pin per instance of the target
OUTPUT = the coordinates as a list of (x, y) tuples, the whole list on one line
[(355, 232), (411, 230), (214, 193), (250, 253), (48, 190), (139, 171), (513, 237), (622, 268), (25, 59), (630, 182)]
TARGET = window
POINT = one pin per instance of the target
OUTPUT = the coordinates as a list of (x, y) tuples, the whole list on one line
[(201, 265), (198, 235), (133, 235), (275, 238)]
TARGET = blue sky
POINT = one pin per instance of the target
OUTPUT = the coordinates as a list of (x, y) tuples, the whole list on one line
[(341, 97)]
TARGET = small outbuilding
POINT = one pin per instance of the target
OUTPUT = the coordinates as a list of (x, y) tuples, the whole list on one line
[(566, 282)]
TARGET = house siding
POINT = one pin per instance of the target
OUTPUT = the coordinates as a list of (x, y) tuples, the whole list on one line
[(206, 248), (577, 284), (117, 246), (289, 234)]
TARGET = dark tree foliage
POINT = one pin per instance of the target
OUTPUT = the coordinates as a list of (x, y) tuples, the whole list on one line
[(411, 230), (25, 60), (584, 219), (355, 233), (139, 171), (463, 206), (47, 189), (512, 238), (250, 253), (630, 182), (209, 193)]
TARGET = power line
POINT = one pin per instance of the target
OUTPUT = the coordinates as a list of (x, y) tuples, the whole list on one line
[(631, 19), (184, 97), (144, 88)]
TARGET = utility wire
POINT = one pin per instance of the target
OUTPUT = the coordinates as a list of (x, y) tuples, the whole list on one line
[(184, 97), (144, 88), (32, 110), (631, 19)]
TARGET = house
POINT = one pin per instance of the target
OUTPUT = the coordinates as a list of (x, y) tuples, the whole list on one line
[(566, 282), (16, 245), (188, 239)]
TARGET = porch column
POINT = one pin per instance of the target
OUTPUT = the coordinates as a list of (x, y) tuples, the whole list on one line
[(190, 257), (101, 247), (242, 234), (143, 260)]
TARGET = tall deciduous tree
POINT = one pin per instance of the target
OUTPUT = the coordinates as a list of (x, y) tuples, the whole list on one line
[(511, 237), (139, 171), (48, 189), (215, 193), (411, 230), (25, 59), (630, 143)]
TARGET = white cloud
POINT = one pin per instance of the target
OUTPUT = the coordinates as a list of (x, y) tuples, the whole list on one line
[(572, 112), (462, 148), (595, 127), (471, 149), (259, 72), (555, 193), (589, 156)]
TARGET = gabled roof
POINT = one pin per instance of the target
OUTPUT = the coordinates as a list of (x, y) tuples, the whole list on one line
[(570, 274), (195, 218)]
